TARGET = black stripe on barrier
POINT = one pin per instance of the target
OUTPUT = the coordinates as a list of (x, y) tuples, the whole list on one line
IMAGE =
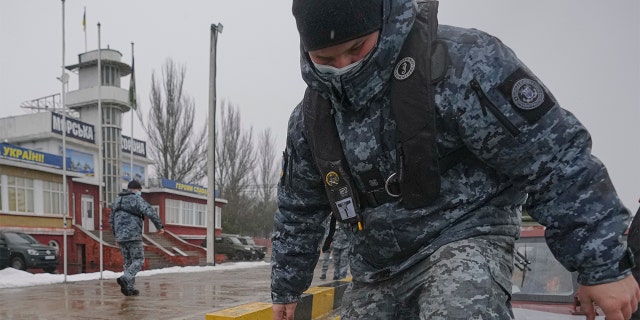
[(304, 307)]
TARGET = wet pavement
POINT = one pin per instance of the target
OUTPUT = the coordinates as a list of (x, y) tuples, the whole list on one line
[(187, 296)]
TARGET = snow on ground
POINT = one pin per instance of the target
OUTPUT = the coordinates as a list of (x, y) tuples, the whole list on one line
[(12, 278)]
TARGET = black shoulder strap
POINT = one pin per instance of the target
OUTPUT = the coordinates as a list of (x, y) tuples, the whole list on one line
[(119, 207), (326, 148), (329, 238), (413, 103)]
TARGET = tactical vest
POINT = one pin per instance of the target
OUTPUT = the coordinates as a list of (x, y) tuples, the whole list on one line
[(119, 207), (423, 61)]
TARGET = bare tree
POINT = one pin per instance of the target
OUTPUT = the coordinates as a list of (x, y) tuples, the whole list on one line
[(266, 181), (174, 145), (235, 161)]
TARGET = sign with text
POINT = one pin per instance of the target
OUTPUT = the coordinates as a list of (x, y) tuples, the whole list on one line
[(18, 153), (75, 128), (192, 188), (139, 147)]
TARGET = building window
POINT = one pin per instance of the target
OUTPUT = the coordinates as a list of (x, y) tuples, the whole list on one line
[(200, 214), (52, 197), (110, 76), (172, 211), (185, 213), (20, 192)]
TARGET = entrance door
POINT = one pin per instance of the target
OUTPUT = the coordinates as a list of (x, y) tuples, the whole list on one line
[(82, 258), (87, 212)]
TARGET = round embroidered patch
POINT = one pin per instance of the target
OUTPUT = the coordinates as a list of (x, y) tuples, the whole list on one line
[(332, 179), (404, 68), (527, 94)]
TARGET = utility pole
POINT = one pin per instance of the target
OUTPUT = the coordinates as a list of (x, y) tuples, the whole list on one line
[(64, 78), (211, 148)]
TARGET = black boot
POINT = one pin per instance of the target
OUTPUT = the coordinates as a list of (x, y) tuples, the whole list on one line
[(124, 288), (132, 292), (123, 285)]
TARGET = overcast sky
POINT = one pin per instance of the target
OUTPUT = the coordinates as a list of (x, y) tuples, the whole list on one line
[(586, 51)]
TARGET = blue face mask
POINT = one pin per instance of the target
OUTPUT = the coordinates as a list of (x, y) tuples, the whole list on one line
[(139, 193)]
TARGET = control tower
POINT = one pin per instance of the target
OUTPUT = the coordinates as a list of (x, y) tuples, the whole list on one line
[(114, 101)]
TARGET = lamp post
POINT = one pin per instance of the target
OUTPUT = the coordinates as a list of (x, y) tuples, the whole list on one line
[(64, 79), (211, 151)]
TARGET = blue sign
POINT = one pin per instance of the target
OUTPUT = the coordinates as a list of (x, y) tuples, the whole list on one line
[(192, 188), (18, 153)]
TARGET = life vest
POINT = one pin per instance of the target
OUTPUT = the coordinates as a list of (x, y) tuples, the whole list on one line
[(422, 63)]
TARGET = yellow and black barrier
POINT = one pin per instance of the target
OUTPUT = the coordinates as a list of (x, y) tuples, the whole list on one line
[(314, 303)]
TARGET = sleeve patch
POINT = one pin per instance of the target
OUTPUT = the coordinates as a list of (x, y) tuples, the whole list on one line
[(526, 95)]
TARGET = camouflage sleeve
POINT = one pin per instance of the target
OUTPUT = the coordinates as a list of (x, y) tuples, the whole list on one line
[(146, 209), (299, 222), (513, 123)]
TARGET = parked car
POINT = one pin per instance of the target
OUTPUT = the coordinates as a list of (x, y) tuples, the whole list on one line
[(21, 251), (230, 245), (260, 251)]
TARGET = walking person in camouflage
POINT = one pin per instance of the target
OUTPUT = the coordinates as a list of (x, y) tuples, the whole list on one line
[(326, 254), (340, 253), (429, 140), (326, 260), (339, 249), (127, 214)]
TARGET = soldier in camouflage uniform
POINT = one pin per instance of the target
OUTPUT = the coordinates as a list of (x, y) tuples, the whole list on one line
[(326, 254), (452, 258), (127, 214), (340, 252)]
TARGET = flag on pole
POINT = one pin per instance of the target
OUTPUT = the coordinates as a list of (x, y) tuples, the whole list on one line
[(84, 20), (132, 84)]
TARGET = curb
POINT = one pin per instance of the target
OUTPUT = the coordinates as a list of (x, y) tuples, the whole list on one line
[(316, 302)]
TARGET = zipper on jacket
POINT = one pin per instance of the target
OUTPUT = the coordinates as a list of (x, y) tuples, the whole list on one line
[(485, 103)]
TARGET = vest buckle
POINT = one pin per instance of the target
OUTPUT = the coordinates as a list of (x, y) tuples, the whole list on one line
[(392, 185)]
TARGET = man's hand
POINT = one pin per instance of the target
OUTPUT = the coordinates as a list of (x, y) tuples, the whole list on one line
[(161, 231), (618, 300), (283, 311)]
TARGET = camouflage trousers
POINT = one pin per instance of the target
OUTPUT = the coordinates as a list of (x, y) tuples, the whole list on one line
[(133, 254), (466, 279), (326, 259)]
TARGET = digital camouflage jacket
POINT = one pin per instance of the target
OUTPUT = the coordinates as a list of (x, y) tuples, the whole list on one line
[(527, 152), (127, 213)]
